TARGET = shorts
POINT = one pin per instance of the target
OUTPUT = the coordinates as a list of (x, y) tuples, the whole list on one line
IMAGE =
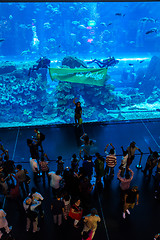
[(129, 205)]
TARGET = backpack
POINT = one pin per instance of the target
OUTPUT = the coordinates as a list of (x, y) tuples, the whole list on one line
[(42, 136)]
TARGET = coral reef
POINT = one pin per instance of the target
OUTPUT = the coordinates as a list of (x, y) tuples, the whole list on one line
[(73, 62), (148, 78)]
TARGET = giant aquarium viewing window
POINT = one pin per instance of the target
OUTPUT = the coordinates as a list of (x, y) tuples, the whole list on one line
[(105, 54)]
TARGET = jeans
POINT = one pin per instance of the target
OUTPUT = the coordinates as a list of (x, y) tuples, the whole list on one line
[(111, 170)]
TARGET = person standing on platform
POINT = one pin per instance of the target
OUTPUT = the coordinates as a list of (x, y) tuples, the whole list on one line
[(99, 167), (60, 165), (78, 112), (30, 206), (39, 138), (123, 165), (88, 167), (75, 163), (34, 168), (33, 147), (37, 196), (90, 222), (55, 182), (152, 161), (131, 153), (21, 176), (76, 212), (130, 198), (125, 182), (44, 168), (67, 204), (111, 160), (57, 208), (87, 144), (4, 223)]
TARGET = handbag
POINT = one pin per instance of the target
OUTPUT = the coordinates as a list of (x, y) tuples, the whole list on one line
[(75, 215)]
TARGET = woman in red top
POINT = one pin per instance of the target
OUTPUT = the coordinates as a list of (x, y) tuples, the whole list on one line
[(76, 212)]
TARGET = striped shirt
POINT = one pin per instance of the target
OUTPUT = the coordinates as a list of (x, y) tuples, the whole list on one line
[(111, 160)]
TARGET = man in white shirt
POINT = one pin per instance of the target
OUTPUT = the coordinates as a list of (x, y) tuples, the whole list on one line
[(55, 181), (34, 168)]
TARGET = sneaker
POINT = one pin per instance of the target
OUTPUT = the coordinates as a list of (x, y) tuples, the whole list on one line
[(128, 211), (124, 215)]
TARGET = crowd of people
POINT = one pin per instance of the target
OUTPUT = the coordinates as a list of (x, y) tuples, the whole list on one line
[(71, 186)]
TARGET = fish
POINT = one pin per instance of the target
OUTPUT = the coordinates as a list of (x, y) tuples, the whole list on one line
[(152, 20), (75, 22), (152, 30), (109, 24), (130, 64), (141, 61), (145, 19), (120, 14), (72, 8), (2, 40), (81, 27), (78, 43), (103, 24), (132, 42), (10, 17), (25, 52), (83, 9)]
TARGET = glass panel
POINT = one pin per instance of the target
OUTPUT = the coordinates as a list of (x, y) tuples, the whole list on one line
[(123, 37)]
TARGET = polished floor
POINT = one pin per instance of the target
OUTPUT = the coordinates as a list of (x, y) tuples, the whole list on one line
[(63, 140)]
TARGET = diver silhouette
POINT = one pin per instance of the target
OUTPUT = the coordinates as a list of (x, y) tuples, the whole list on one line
[(43, 62), (111, 61)]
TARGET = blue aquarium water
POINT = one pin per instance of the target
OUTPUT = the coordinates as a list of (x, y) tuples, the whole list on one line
[(105, 54)]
